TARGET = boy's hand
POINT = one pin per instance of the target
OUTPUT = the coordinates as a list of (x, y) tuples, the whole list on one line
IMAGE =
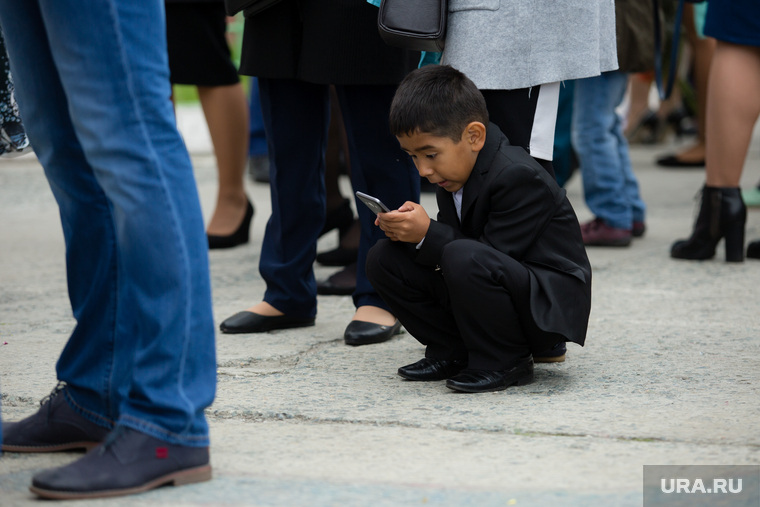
[(409, 223)]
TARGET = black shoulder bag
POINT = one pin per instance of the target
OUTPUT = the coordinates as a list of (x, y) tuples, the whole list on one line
[(417, 25)]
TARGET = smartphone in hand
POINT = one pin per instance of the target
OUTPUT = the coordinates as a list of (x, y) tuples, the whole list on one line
[(373, 203)]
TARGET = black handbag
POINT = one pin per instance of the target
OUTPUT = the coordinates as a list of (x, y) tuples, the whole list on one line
[(249, 7), (418, 25)]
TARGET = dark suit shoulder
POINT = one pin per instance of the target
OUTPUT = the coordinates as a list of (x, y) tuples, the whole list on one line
[(513, 168), (501, 157)]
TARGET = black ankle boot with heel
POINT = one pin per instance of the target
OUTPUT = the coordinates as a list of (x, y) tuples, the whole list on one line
[(722, 214)]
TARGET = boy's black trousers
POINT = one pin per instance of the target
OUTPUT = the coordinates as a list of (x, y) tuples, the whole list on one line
[(475, 307)]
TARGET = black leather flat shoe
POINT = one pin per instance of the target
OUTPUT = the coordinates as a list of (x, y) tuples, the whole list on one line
[(239, 237), (428, 369), (127, 462), (674, 161), (486, 381), (342, 283), (363, 333), (54, 427), (249, 322)]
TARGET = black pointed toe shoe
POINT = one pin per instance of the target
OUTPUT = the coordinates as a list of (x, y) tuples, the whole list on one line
[(249, 322), (486, 381), (674, 161), (363, 333), (429, 369), (239, 237)]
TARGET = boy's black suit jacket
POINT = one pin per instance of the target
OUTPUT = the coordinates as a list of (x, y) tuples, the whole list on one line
[(513, 205)]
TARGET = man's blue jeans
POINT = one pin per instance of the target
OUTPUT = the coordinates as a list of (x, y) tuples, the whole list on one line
[(609, 185), (92, 82)]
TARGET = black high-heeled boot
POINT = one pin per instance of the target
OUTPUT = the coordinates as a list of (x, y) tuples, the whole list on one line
[(722, 214)]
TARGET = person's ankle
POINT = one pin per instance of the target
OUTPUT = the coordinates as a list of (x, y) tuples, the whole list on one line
[(375, 315), (265, 309)]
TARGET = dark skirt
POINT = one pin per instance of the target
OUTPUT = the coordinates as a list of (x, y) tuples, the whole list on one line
[(736, 21), (198, 50)]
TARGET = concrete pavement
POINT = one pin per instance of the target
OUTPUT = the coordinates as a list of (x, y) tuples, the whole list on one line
[(669, 376)]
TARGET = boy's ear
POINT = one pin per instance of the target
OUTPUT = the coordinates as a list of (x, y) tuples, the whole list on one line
[(475, 134)]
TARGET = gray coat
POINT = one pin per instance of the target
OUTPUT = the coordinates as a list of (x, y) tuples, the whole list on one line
[(509, 44)]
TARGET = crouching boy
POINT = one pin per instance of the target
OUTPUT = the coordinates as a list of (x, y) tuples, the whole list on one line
[(502, 274)]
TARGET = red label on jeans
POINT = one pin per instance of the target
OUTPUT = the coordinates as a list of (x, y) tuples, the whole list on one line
[(162, 452)]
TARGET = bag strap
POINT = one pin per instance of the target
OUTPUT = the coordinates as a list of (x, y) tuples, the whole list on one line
[(665, 91)]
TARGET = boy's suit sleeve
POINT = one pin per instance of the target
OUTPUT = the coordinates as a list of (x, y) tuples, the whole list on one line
[(511, 211)]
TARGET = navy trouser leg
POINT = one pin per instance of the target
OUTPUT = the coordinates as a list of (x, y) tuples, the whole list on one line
[(296, 118), (378, 167)]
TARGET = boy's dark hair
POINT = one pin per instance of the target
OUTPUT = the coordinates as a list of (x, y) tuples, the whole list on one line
[(438, 100)]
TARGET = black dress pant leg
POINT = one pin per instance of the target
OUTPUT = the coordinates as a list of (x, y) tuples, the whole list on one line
[(489, 293), (296, 118), (417, 296)]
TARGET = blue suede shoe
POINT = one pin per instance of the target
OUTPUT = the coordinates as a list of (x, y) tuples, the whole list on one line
[(128, 462), (55, 427)]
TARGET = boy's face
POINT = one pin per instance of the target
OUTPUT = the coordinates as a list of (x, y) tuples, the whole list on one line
[(441, 160)]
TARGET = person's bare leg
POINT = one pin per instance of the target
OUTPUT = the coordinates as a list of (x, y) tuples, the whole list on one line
[(703, 48), (639, 105), (733, 107), (226, 112)]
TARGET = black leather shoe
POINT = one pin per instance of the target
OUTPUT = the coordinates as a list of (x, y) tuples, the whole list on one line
[(239, 237), (127, 462), (486, 381), (674, 161), (341, 283), (249, 322), (432, 369), (363, 333), (55, 427)]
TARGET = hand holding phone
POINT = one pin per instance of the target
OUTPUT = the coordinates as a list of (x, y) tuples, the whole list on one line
[(408, 223), (373, 203)]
